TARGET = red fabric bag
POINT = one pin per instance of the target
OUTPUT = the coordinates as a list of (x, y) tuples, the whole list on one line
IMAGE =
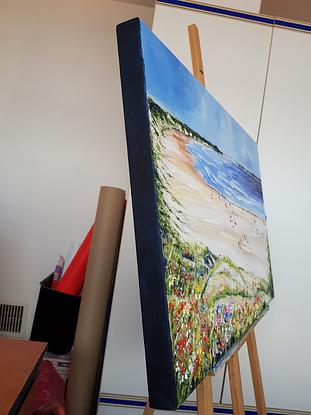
[(49, 391)]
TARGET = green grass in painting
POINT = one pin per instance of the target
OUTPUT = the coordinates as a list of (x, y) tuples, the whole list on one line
[(211, 301)]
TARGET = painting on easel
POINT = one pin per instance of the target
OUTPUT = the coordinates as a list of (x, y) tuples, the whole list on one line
[(202, 248)]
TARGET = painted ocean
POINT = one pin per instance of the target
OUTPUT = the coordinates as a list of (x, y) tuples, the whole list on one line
[(233, 182)]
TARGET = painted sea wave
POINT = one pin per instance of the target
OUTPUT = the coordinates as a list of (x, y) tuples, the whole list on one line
[(236, 184)]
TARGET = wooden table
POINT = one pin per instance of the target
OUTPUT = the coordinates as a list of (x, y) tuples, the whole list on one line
[(19, 363)]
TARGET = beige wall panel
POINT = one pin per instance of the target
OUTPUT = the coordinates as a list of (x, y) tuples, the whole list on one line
[(285, 154), (252, 6)]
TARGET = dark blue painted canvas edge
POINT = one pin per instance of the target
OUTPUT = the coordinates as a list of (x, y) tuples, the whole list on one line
[(158, 348)]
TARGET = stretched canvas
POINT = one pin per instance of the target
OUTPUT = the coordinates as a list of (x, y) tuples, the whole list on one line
[(202, 250)]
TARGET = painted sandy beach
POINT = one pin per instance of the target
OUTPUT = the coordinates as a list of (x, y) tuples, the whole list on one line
[(212, 220), (218, 277)]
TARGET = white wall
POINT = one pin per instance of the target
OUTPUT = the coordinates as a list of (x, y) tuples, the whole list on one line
[(252, 6), (124, 369), (285, 154), (149, 3), (61, 130)]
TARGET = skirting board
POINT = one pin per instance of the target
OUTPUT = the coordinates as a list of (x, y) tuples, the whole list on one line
[(129, 401)]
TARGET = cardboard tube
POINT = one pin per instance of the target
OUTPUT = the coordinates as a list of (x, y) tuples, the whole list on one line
[(95, 303)]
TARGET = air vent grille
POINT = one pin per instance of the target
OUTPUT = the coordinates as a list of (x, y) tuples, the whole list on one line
[(12, 318)]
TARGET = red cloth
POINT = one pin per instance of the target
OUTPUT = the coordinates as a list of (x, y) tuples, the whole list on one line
[(49, 391), (73, 279)]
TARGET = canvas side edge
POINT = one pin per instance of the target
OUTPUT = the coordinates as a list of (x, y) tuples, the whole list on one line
[(160, 370)]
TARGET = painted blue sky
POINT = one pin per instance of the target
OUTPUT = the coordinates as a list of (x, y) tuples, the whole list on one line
[(174, 88)]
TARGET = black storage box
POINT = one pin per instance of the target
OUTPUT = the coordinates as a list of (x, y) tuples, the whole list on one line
[(56, 318)]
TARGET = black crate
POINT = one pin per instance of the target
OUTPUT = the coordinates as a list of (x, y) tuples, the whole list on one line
[(56, 318)]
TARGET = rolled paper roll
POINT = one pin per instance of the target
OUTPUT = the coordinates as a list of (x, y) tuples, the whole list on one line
[(73, 249), (73, 279), (92, 327)]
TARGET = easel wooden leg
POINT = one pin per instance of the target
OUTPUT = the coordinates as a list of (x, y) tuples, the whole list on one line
[(205, 397), (148, 410), (236, 385), (196, 55), (256, 374)]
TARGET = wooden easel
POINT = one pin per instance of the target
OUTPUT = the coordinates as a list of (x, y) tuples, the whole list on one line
[(204, 390)]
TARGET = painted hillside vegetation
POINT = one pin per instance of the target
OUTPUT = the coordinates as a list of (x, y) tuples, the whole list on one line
[(214, 241)]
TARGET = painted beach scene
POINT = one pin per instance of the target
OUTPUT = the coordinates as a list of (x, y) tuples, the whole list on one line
[(211, 216)]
